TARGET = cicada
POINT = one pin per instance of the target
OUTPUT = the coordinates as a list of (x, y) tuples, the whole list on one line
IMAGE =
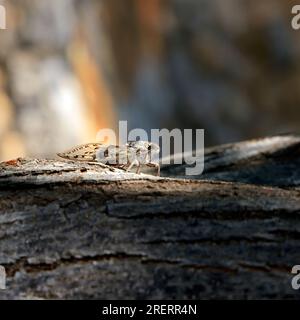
[(133, 153)]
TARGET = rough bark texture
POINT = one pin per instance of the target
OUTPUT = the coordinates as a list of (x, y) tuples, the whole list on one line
[(70, 230)]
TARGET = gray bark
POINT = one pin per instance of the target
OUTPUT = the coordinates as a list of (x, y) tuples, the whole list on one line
[(75, 230)]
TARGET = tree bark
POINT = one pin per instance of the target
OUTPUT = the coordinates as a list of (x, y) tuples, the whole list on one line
[(76, 230)]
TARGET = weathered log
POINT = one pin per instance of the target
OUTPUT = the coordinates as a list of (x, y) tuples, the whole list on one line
[(75, 230)]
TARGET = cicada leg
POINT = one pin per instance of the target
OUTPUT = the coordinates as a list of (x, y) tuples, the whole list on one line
[(156, 166)]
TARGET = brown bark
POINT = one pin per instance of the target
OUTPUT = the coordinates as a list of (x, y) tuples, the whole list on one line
[(75, 230)]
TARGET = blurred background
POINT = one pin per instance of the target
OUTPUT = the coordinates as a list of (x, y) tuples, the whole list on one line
[(71, 67)]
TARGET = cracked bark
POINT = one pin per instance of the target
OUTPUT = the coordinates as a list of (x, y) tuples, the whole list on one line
[(75, 230)]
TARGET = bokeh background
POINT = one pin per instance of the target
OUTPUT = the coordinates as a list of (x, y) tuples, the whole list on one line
[(71, 67)]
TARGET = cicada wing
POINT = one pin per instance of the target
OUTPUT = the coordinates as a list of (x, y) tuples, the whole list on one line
[(85, 152)]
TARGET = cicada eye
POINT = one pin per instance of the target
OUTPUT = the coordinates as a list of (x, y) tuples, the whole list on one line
[(149, 148)]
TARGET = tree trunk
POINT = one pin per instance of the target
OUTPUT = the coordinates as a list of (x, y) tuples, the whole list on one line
[(75, 230)]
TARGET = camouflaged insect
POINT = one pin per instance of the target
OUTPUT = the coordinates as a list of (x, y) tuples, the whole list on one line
[(134, 153)]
